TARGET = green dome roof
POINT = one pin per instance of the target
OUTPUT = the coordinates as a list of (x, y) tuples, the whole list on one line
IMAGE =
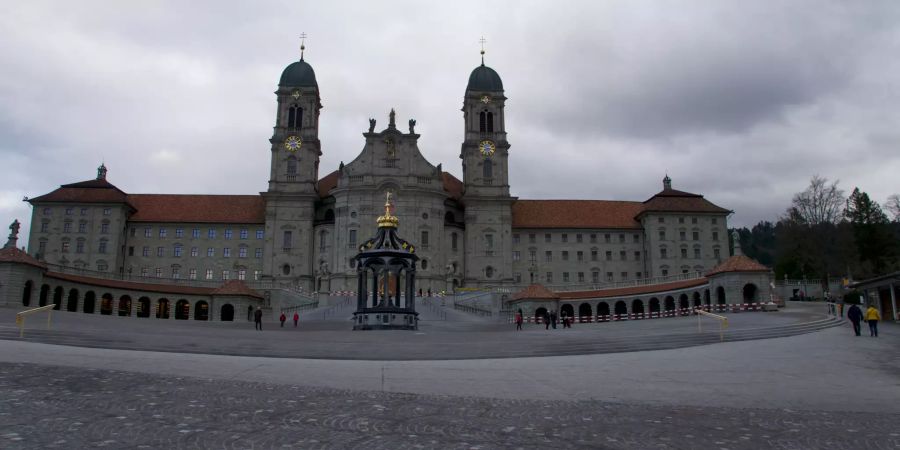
[(298, 74), (484, 78)]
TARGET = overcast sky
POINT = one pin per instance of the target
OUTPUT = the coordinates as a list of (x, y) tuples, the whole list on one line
[(739, 101)]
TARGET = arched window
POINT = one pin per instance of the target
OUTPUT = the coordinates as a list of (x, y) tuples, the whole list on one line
[(454, 241), (489, 272), (490, 122), (295, 116), (292, 166), (488, 169), (482, 121)]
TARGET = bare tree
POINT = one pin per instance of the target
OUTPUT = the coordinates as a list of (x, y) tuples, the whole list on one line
[(821, 202), (893, 207)]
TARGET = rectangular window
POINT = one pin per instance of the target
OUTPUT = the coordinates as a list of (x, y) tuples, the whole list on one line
[(696, 253), (79, 247), (163, 233), (547, 238), (69, 211), (147, 231), (244, 233), (696, 235), (624, 276), (259, 234), (565, 277), (47, 211), (580, 256), (82, 228), (176, 272), (424, 242), (104, 228), (684, 253), (594, 255), (242, 274), (211, 251), (637, 255), (532, 238), (489, 245), (694, 220), (132, 232), (716, 253), (192, 274), (549, 277), (715, 221), (454, 244), (516, 238), (663, 253), (565, 237), (595, 277), (179, 232), (532, 255), (225, 274), (288, 240), (548, 256), (145, 272), (682, 235), (665, 272), (609, 256), (131, 251), (159, 272), (518, 277), (579, 238), (258, 253), (209, 274), (67, 227), (621, 238), (44, 226), (256, 274), (516, 255), (609, 276), (715, 235), (242, 252), (194, 251), (581, 277), (662, 235), (42, 247), (106, 211), (211, 234), (226, 252), (681, 220), (607, 238), (195, 233), (623, 255), (160, 251), (637, 275), (662, 220), (593, 238), (84, 211), (177, 251), (227, 234), (145, 251), (565, 255)]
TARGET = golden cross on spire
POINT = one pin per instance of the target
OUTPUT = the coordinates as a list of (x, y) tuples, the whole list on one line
[(302, 44), (482, 41)]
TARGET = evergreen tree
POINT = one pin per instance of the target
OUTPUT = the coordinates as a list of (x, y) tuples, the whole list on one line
[(872, 234)]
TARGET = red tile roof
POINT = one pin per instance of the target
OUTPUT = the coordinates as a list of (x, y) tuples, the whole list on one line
[(452, 185), (738, 263), (327, 183), (15, 255), (198, 208), (575, 214), (236, 287), (91, 191), (534, 292), (671, 200), (634, 290)]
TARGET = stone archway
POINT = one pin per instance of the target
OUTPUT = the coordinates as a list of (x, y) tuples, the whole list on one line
[(44, 295), (162, 308), (125, 306), (72, 301), (706, 299), (26, 293), (201, 310), (566, 310), (750, 293), (697, 301), (720, 296), (143, 307), (584, 312), (227, 313), (637, 308), (88, 305), (683, 303), (621, 309), (654, 307), (106, 304), (57, 298), (182, 310), (602, 311), (670, 305), (539, 314)]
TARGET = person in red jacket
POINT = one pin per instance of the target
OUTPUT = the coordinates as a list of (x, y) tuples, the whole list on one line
[(518, 320), (282, 319), (296, 318)]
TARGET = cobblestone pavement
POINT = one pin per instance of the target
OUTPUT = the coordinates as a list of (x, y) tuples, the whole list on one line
[(61, 407)]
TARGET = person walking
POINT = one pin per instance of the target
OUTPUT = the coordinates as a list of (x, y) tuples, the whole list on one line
[(518, 320), (553, 319), (546, 319), (872, 317), (282, 319), (296, 318), (855, 315), (257, 317)]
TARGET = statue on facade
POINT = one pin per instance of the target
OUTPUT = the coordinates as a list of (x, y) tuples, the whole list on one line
[(451, 269), (412, 126), (392, 116), (13, 235), (371, 125), (736, 240)]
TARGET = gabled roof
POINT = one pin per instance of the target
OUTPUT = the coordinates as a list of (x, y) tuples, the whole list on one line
[(90, 191), (671, 200), (15, 255), (198, 208), (738, 263), (534, 292), (575, 214), (236, 287)]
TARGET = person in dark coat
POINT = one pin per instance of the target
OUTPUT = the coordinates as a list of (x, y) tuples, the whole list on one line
[(546, 320), (553, 318), (257, 317), (282, 319), (855, 315)]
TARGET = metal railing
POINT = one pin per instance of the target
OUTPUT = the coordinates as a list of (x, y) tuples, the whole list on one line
[(472, 309), (20, 317), (723, 322)]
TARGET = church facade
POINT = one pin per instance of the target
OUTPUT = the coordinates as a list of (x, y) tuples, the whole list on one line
[(306, 228)]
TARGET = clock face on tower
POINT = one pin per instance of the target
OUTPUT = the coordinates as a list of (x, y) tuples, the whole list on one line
[(292, 143), (487, 148), (296, 94), (485, 99)]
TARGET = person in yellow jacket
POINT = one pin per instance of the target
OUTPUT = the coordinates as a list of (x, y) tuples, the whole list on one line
[(872, 317)]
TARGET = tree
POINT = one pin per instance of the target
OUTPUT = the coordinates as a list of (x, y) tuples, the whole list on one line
[(819, 203), (872, 233), (893, 207)]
